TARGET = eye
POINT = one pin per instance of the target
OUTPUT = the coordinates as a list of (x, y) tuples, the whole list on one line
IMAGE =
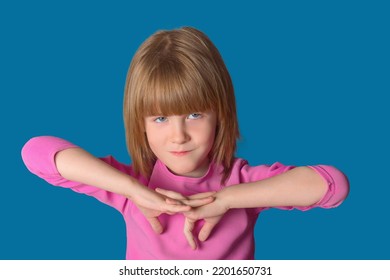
[(194, 116), (160, 119)]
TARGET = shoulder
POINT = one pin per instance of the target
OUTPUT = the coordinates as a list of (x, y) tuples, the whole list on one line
[(243, 172)]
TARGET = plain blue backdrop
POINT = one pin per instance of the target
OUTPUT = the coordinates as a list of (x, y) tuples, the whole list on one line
[(311, 80)]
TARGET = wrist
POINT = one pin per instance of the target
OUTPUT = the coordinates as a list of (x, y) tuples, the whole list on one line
[(225, 198), (130, 187)]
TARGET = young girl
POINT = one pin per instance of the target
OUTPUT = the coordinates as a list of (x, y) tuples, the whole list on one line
[(181, 131)]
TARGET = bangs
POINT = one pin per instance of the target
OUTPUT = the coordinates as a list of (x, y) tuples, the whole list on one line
[(173, 90)]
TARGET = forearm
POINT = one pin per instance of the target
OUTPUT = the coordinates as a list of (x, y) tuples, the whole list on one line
[(300, 186), (78, 165)]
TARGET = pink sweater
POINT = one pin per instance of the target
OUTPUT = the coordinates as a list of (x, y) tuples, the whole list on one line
[(232, 238)]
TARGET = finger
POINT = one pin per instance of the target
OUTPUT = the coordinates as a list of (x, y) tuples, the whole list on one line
[(192, 203), (176, 208), (202, 195), (173, 201), (207, 228), (197, 213), (198, 202), (192, 214), (155, 224), (170, 194), (188, 228)]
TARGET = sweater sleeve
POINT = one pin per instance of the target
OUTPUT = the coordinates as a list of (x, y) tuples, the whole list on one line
[(338, 185), (38, 155)]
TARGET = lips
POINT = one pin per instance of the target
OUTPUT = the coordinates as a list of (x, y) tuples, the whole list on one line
[(180, 153)]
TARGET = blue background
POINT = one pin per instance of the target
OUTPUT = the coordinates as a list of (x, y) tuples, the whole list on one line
[(311, 79)]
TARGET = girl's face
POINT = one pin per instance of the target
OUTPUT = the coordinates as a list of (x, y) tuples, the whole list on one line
[(183, 142)]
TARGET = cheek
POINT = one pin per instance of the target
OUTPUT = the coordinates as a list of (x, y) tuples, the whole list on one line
[(154, 145), (152, 138), (207, 135)]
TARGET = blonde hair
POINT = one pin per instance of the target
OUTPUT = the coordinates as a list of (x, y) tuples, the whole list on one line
[(179, 72)]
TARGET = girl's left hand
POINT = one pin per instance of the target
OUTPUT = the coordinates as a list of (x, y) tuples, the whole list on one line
[(196, 200), (211, 214), (208, 206)]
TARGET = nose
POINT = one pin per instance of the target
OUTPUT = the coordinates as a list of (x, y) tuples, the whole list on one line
[(179, 133)]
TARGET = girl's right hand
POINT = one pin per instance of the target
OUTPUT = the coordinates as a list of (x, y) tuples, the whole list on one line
[(153, 203), (211, 215)]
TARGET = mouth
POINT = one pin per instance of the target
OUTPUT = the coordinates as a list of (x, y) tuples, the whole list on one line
[(180, 153)]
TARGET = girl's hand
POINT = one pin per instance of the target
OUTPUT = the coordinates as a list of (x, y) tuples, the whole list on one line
[(152, 204), (196, 200), (211, 213), (209, 206)]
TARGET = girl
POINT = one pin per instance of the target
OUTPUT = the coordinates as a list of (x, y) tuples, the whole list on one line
[(181, 132)]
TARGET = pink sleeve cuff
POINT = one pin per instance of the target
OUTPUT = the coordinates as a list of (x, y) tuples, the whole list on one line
[(338, 186), (39, 152)]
